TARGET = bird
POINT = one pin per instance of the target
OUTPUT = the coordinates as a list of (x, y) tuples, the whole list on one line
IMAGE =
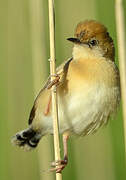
[(88, 91)]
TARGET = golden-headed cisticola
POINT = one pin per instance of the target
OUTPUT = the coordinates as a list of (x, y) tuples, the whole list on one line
[(88, 90)]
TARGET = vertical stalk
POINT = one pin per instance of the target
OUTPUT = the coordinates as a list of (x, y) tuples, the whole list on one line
[(122, 56), (54, 91)]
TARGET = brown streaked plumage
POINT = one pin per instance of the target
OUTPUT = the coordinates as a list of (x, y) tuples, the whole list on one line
[(88, 90)]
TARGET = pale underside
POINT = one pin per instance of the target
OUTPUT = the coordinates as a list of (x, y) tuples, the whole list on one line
[(87, 97)]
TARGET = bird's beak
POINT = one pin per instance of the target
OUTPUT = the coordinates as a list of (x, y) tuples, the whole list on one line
[(74, 40)]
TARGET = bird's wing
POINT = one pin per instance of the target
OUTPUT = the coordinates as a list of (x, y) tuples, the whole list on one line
[(61, 72)]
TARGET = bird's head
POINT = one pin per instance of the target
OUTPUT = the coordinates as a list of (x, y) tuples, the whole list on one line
[(94, 38)]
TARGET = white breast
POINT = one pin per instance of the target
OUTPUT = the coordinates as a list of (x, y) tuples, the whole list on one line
[(82, 114)]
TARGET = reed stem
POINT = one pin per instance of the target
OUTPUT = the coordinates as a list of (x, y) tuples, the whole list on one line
[(122, 56), (54, 91)]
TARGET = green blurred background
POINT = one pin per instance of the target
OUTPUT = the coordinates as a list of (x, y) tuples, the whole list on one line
[(24, 53)]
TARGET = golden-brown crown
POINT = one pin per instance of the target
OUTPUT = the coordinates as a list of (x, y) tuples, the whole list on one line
[(91, 29)]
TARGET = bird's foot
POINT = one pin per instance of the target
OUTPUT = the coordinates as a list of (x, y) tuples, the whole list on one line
[(59, 165), (54, 82)]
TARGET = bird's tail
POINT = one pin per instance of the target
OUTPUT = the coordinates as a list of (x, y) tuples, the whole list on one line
[(27, 139)]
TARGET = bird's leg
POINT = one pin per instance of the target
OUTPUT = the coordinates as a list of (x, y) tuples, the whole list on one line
[(65, 140), (49, 85), (61, 164), (48, 106), (54, 82)]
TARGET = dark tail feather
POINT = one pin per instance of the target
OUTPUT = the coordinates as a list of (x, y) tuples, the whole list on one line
[(27, 139)]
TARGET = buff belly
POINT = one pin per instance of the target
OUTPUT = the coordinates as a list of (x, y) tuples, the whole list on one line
[(83, 113)]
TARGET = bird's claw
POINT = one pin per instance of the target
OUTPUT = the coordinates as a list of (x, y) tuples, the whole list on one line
[(54, 82), (58, 165), (59, 162)]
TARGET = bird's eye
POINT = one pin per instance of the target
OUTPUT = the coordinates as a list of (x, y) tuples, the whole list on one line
[(93, 42)]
